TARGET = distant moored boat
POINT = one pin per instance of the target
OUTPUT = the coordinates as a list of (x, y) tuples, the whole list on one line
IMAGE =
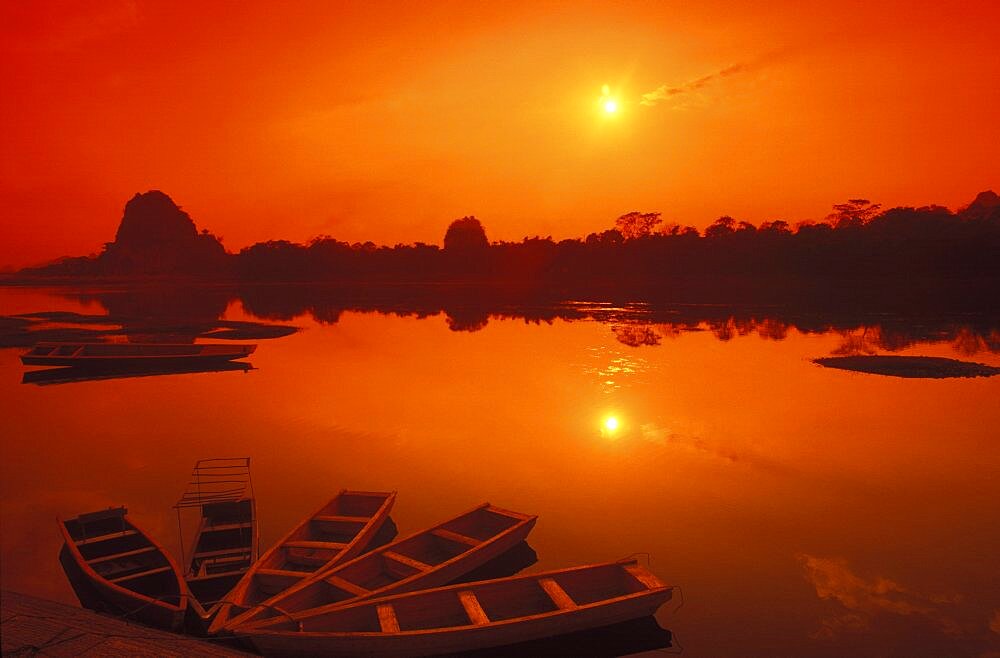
[(133, 354)]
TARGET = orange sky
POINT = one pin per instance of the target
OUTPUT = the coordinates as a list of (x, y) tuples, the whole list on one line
[(386, 122)]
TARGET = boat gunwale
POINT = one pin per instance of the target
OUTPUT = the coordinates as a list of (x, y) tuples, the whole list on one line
[(260, 629), (522, 520), (226, 351)]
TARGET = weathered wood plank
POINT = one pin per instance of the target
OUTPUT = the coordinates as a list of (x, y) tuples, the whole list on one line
[(45, 628), (387, 618), (472, 608), (557, 594), (454, 536)]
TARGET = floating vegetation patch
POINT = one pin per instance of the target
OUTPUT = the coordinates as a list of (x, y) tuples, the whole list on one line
[(27, 329), (931, 367)]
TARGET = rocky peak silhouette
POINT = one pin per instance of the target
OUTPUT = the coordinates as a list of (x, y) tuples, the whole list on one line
[(152, 221)]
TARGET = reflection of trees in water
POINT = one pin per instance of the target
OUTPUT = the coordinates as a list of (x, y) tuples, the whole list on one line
[(854, 341), (635, 335), (864, 327)]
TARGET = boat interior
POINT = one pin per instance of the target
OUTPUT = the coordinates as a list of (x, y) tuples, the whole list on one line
[(122, 555), (483, 523), (399, 561), (479, 604)]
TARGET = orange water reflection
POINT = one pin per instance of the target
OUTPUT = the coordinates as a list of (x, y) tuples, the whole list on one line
[(805, 511)]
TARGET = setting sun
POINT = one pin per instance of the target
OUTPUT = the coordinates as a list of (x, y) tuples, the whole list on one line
[(610, 106), (610, 423)]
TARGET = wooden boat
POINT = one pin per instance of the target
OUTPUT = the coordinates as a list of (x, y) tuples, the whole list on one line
[(115, 567), (75, 375), (337, 532), (132, 354), (226, 543), (429, 558), (469, 616)]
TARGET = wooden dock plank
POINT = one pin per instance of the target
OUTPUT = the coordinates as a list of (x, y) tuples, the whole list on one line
[(38, 627)]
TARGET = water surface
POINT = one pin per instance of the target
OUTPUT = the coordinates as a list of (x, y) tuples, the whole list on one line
[(803, 510)]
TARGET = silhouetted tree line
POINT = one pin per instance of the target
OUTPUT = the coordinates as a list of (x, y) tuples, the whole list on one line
[(858, 239)]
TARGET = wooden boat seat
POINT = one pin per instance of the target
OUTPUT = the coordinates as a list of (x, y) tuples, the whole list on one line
[(455, 537), (118, 556), (140, 574), (387, 618), (409, 561), (558, 595), (218, 574), (226, 526), (321, 545), (472, 608), (112, 535), (347, 586), (644, 577), (283, 573), (226, 551), (332, 518)]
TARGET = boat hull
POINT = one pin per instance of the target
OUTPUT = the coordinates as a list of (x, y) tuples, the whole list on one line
[(112, 355), (465, 635), (165, 611), (444, 642)]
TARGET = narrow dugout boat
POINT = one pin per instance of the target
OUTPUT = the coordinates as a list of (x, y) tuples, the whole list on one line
[(429, 558), (226, 542), (469, 616), (116, 567), (337, 532), (113, 355)]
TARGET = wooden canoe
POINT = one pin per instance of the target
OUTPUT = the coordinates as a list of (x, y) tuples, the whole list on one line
[(226, 543), (337, 532), (98, 355), (469, 616), (429, 558), (116, 567)]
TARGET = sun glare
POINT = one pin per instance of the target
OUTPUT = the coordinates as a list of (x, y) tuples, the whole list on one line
[(610, 423), (607, 102)]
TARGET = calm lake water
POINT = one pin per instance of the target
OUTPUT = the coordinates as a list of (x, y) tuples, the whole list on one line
[(804, 511)]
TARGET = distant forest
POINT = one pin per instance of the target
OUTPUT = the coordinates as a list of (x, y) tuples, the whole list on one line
[(859, 239)]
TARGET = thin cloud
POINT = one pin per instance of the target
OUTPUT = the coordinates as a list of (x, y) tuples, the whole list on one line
[(663, 92)]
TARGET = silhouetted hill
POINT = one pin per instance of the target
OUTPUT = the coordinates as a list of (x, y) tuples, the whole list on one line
[(155, 237), (858, 244)]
